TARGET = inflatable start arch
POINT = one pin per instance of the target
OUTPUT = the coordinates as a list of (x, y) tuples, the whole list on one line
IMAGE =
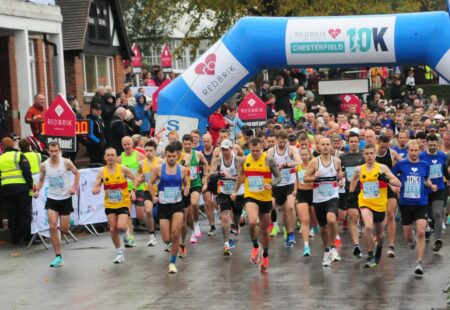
[(256, 43)]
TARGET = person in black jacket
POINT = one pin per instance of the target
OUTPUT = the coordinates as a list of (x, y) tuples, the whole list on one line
[(96, 139), (118, 129), (396, 90), (281, 93), (108, 107)]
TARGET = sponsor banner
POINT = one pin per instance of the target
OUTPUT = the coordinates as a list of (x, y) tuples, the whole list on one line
[(253, 111), (59, 118), (214, 74), (181, 124), (166, 57), (67, 144), (349, 40), (92, 208)]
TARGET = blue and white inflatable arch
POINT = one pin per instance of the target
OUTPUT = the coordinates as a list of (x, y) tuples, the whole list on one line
[(256, 43)]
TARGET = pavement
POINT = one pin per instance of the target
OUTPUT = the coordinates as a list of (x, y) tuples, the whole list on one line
[(208, 280)]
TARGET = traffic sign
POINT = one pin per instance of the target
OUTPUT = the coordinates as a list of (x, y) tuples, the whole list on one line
[(252, 111), (60, 124), (166, 57), (155, 94), (136, 60)]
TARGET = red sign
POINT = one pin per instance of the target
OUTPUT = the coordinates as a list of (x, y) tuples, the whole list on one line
[(350, 100), (252, 111), (166, 57), (60, 120), (156, 93), (136, 60)]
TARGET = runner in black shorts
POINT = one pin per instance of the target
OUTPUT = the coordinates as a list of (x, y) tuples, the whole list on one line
[(211, 189)]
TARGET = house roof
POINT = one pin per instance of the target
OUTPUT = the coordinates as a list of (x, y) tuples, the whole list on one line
[(75, 21)]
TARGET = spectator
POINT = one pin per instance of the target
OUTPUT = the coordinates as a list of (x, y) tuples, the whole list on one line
[(270, 106), (34, 115), (98, 97), (235, 123), (128, 100), (281, 93), (118, 129), (96, 141), (396, 90), (73, 102), (142, 112), (107, 109), (410, 82), (216, 123), (264, 91)]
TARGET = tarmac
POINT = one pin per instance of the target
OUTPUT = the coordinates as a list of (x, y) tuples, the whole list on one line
[(208, 280)]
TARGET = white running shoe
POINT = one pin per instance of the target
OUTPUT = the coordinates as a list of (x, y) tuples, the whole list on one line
[(444, 227), (193, 238), (167, 247), (326, 262), (197, 231), (334, 255), (152, 241), (120, 258)]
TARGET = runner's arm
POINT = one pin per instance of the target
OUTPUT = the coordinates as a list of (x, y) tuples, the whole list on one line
[(354, 180), (214, 169), (310, 172), (153, 178), (71, 167), (295, 157), (274, 169), (240, 177), (393, 180), (186, 180), (41, 179), (98, 182)]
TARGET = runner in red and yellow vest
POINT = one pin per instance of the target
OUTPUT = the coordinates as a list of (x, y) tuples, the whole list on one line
[(117, 197), (258, 173)]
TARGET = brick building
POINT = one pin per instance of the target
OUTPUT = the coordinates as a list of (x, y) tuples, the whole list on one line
[(95, 44), (31, 59)]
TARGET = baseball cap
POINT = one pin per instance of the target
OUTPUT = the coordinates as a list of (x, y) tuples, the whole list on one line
[(226, 144), (355, 130), (96, 106), (439, 116)]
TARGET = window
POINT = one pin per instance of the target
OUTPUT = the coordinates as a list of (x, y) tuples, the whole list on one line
[(32, 66), (98, 71), (98, 22)]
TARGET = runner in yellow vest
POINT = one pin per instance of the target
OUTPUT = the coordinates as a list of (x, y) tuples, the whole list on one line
[(130, 159), (146, 167), (117, 197), (374, 179)]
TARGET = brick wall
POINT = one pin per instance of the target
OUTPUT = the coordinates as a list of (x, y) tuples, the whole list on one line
[(119, 74), (40, 67), (50, 77), (75, 79)]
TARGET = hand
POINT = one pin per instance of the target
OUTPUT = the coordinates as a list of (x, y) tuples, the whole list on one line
[(383, 178), (186, 191), (204, 187), (294, 194), (72, 191), (396, 190), (133, 195), (434, 188), (96, 190), (268, 186), (340, 175), (317, 175), (35, 194), (139, 123), (282, 165), (155, 200), (233, 196), (351, 198)]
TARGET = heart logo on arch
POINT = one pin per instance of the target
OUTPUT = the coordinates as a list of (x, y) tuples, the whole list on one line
[(208, 67), (334, 32)]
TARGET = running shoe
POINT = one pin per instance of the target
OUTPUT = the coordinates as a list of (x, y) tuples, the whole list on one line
[(357, 251), (326, 262), (316, 229), (418, 270), (444, 227), (264, 266), (212, 231), (370, 263), (291, 239), (152, 241), (437, 245), (231, 243), (172, 268), (298, 226), (167, 247), (306, 251), (57, 262), (391, 252), (235, 230), (285, 234), (120, 258), (275, 231), (288, 244), (131, 242), (337, 243), (193, 239), (197, 231), (334, 255), (226, 251), (311, 233), (182, 252), (254, 256)]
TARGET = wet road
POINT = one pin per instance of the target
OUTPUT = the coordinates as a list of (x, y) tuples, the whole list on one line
[(206, 279)]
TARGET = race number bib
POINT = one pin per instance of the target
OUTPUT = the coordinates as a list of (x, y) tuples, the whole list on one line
[(412, 187), (326, 189), (56, 182), (435, 171), (301, 176), (193, 172), (171, 194), (255, 183), (285, 175), (114, 195), (228, 187), (371, 190), (147, 177)]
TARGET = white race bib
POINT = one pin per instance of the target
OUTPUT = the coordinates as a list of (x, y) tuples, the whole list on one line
[(56, 182), (371, 190), (435, 171), (114, 195), (255, 183), (326, 189)]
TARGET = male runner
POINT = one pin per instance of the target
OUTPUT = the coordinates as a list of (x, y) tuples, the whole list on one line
[(287, 159), (117, 197), (256, 174), (414, 175), (326, 173), (402, 140), (59, 195), (146, 167), (172, 177), (389, 157), (350, 161), (230, 211), (130, 159), (374, 178), (437, 161), (211, 188)]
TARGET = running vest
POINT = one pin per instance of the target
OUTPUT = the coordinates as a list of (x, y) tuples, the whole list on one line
[(326, 186), (147, 169), (386, 159), (257, 174), (373, 194), (58, 180), (132, 163), (287, 174), (349, 162), (169, 186), (209, 156), (35, 161), (116, 189), (227, 186), (194, 171)]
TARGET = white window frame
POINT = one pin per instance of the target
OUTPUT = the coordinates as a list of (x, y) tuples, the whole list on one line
[(32, 66), (110, 73)]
